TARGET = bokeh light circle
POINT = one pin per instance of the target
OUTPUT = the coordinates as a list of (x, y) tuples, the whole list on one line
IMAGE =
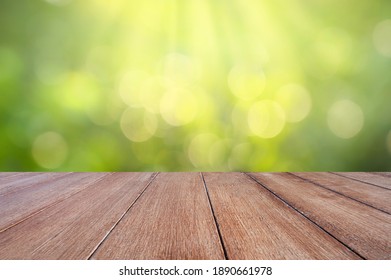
[(296, 102), (198, 149), (333, 48), (143, 74), (78, 91), (130, 86), (151, 93), (246, 82), (138, 125), (345, 119), (382, 37), (180, 69), (266, 119), (178, 106), (50, 150)]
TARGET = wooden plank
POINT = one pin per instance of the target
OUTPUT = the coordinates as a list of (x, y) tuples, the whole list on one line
[(74, 227), (255, 224), (364, 229), (171, 220), (370, 178), (379, 198), (12, 177), (385, 174), (9, 174), (14, 185), (17, 206)]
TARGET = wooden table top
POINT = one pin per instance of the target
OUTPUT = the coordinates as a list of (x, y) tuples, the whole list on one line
[(195, 215)]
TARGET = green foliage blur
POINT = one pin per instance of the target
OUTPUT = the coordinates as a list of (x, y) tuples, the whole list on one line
[(172, 85)]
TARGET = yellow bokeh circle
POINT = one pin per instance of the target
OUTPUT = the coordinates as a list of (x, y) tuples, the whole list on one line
[(245, 82), (266, 119), (295, 101), (345, 119), (138, 125), (50, 150)]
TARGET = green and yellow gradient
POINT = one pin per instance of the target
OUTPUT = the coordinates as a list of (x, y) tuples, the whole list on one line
[(192, 85)]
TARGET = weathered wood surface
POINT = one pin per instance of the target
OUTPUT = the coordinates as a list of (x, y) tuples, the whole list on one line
[(378, 198), (16, 206), (364, 229), (381, 179), (172, 220), (16, 184), (255, 224), (95, 210), (195, 216)]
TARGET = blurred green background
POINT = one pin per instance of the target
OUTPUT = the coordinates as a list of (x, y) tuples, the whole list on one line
[(190, 85)]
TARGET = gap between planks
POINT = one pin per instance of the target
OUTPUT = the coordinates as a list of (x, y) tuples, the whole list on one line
[(121, 217), (214, 218), (171, 220), (338, 192), (278, 196), (361, 227), (303, 215), (376, 184), (48, 206), (84, 219), (255, 224)]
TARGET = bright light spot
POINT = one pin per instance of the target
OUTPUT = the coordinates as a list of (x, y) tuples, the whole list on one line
[(151, 92), (345, 119), (78, 91), (178, 107), (246, 83), (205, 104), (388, 142), (199, 148), (130, 87), (382, 37), (266, 119), (333, 47), (180, 69), (238, 114), (50, 150), (138, 125), (296, 102)]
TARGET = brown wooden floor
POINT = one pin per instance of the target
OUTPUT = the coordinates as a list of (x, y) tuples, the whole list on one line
[(195, 215)]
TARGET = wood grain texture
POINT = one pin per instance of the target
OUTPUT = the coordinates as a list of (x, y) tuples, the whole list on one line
[(364, 229), (6, 174), (14, 185), (19, 205), (73, 228), (379, 198), (13, 174), (170, 216), (171, 220), (255, 224), (8, 179), (370, 178), (385, 174)]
